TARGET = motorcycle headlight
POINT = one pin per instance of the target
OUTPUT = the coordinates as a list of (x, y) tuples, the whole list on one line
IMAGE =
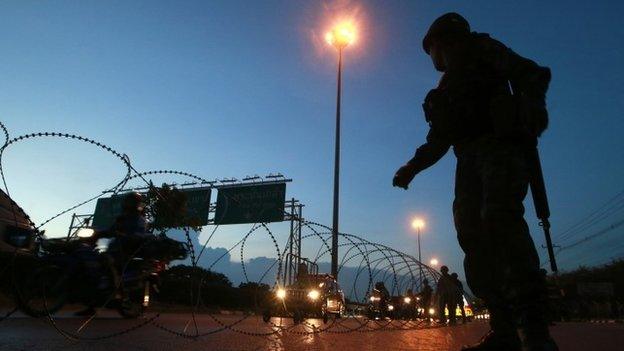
[(431, 311), (374, 298), (85, 233), (407, 300), (390, 308), (280, 293), (314, 294)]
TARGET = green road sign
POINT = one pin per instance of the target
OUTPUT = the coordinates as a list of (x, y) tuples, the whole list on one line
[(107, 210), (250, 204), (197, 205)]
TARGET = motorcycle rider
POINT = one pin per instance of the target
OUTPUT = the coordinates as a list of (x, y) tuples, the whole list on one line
[(384, 295), (127, 235), (411, 310)]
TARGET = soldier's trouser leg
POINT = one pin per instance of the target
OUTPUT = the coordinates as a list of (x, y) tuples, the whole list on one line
[(501, 262), (478, 262), (505, 174), (452, 309), (441, 315)]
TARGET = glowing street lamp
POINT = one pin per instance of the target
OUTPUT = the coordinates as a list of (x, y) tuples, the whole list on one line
[(434, 262), (341, 36)]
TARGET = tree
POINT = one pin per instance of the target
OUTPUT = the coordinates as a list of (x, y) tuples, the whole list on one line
[(168, 208)]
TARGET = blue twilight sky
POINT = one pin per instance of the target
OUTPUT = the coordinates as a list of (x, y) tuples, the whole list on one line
[(236, 88)]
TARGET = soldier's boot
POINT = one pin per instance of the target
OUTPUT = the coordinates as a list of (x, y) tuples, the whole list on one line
[(533, 321), (502, 337), (534, 331)]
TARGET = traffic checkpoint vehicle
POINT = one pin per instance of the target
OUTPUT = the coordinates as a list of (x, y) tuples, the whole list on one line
[(310, 296)]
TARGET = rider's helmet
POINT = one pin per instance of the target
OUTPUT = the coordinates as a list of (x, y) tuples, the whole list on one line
[(454, 275), (449, 25), (133, 202), (444, 269)]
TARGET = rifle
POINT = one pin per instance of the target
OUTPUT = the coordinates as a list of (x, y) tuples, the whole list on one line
[(540, 201)]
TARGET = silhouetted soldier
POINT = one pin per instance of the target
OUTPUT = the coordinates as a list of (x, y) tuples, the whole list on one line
[(459, 297), (425, 297), (446, 293), (490, 106)]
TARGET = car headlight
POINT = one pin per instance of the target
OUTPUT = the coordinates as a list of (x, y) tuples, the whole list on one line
[(280, 293), (85, 233), (390, 308), (431, 311), (407, 300), (314, 294)]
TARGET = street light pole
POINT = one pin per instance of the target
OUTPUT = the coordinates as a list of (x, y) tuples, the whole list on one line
[(419, 257), (418, 224), (334, 252), (339, 37)]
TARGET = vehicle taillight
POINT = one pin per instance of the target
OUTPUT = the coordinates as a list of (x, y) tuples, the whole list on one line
[(159, 266)]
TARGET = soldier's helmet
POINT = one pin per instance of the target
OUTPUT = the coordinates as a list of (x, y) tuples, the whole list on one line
[(446, 26), (444, 269)]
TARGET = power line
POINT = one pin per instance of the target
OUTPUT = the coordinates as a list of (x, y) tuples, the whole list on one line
[(611, 206), (588, 238), (593, 236)]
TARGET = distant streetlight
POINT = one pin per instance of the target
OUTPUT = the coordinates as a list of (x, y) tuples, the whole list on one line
[(418, 224), (434, 262), (341, 36)]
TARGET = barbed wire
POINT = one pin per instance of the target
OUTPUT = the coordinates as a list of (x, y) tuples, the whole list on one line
[(374, 261)]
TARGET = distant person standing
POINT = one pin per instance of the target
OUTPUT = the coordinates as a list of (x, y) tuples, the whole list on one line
[(459, 298), (425, 298), (446, 294)]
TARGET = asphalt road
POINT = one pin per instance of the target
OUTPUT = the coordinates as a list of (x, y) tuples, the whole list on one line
[(22, 333)]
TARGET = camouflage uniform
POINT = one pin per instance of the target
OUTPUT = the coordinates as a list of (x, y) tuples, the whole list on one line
[(492, 177)]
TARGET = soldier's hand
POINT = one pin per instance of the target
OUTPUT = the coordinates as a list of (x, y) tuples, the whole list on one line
[(404, 176)]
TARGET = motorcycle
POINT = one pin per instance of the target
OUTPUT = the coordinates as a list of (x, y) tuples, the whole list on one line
[(73, 271), (378, 305)]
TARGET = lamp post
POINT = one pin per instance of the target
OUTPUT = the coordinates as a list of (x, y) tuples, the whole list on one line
[(418, 224), (340, 37)]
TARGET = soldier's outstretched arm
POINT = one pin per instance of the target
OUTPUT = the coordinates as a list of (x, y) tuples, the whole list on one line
[(527, 77), (426, 156)]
